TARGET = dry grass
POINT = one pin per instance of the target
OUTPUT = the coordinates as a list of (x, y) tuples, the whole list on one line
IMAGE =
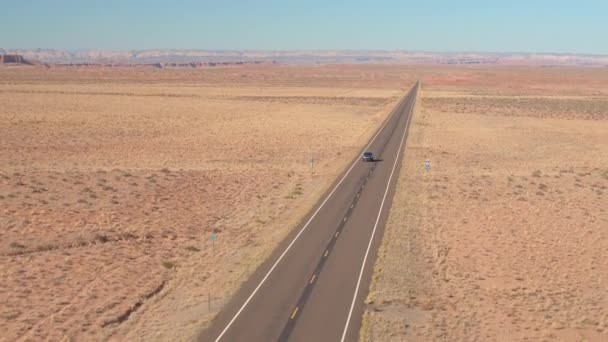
[(562, 108), (109, 176), (112, 182), (505, 238)]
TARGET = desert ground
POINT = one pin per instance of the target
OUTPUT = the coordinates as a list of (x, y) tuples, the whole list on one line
[(506, 237), (113, 181)]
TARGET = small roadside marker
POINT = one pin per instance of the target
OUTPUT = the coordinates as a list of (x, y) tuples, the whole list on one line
[(213, 243)]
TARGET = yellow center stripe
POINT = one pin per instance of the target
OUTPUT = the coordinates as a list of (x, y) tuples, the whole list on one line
[(293, 315)]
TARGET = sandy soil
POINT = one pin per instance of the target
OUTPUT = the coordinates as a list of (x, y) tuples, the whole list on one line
[(112, 182), (506, 238)]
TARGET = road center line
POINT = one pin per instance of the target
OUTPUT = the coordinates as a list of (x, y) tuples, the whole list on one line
[(369, 245), (293, 315), (301, 303)]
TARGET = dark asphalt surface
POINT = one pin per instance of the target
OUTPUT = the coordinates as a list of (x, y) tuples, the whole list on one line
[(306, 290)]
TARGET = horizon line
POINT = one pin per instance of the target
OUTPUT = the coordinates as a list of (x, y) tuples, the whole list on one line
[(314, 50)]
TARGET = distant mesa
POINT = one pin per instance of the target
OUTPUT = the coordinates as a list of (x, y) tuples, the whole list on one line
[(169, 58), (15, 59), (159, 65), (203, 64)]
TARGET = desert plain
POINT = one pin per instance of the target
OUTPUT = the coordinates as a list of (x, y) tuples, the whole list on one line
[(135, 201), (505, 238)]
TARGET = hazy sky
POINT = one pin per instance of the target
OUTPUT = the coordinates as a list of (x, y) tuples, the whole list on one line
[(455, 25)]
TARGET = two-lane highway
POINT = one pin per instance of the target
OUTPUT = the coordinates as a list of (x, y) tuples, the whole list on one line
[(312, 288)]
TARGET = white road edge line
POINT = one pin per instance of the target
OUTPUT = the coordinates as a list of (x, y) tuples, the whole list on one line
[(371, 239), (305, 226)]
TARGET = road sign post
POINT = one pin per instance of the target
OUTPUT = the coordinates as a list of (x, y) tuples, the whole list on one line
[(312, 162)]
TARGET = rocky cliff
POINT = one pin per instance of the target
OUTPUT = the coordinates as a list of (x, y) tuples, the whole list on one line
[(14, 59)]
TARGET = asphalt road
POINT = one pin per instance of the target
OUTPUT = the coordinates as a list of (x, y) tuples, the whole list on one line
[(313, 286)]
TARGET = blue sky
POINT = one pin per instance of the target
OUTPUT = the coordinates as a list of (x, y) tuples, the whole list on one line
[(459, 25)]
